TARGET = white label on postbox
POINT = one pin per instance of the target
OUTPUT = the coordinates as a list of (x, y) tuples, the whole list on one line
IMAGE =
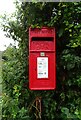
[(42, 67)]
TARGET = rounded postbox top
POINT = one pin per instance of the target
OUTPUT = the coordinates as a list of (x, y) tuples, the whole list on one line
[(42, 32)]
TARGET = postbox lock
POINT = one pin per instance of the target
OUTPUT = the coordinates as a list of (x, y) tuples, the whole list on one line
[(42, 53)]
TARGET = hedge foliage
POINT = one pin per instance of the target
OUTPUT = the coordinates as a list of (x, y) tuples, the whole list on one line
[(64, 102)]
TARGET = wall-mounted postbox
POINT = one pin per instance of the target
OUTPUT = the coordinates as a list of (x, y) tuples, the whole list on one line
[(42, 58)]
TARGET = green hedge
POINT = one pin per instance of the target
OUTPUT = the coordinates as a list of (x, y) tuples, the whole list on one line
[(64, 102)]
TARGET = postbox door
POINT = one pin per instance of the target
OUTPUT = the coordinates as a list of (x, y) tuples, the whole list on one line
[(42, 71)]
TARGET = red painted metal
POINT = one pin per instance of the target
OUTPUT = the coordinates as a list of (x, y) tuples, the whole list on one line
[(42, 46)]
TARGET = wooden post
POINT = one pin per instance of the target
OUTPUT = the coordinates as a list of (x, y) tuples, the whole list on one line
[(38, 108)]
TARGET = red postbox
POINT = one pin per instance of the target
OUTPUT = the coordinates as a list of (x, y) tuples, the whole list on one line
[(42, 58)]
